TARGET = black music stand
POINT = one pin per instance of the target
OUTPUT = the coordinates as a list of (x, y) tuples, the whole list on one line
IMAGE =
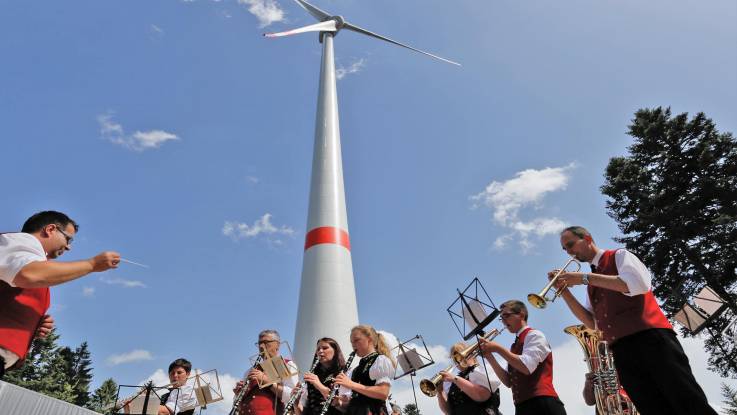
[(474, 309), (145, 401), (409, 360)]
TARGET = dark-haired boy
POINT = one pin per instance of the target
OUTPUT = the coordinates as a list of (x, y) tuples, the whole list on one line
[(183, 400), (26, 275)]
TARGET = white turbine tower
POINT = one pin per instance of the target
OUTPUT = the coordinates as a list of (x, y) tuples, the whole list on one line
[(327, 297)]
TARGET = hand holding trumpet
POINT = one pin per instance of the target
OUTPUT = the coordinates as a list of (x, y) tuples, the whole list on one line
[(565, 279)]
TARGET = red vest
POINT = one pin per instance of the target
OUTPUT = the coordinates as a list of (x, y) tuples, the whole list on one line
[(261, 401), (537, 383), (618, 315), (21, 310)]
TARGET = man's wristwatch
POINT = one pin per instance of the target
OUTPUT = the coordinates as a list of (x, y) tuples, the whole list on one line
[(585, 279)]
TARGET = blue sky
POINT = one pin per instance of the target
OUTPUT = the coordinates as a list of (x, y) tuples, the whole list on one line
[(155, 124)]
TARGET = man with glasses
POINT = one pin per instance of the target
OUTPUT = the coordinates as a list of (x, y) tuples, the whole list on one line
[(651, 364), (529, 371), (26, 275), (271, 399)]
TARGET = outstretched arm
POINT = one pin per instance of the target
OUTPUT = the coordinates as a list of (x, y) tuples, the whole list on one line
[(40, 274)]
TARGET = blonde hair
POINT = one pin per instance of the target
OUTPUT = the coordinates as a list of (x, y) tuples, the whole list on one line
[(455, 350), (377, 339)]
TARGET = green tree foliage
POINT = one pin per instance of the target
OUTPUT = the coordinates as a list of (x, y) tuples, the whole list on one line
[(675, 200), (411, 409), (45, 370), (79, 371), (730, 400), (103, 397)]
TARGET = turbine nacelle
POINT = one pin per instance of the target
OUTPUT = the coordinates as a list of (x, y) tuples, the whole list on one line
[(334, 23)]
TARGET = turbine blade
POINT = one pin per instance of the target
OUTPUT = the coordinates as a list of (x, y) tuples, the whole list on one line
[(314, 11), (327, 26), (357, 29)]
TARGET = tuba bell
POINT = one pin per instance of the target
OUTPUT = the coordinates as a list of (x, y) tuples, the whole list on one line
[(610, 397)]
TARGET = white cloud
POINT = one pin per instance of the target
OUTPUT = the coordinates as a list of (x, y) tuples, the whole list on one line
[(88, 291), (132, 356), (262, 226), (526, 191), (138, 141), (253, 179), (266, 11), (355, 67), (125, 283), (156, 29)]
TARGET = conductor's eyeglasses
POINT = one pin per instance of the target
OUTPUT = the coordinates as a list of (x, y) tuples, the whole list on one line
[(68, 237)]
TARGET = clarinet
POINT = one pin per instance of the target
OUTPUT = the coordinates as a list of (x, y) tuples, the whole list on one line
[(236, 410), (297, 392), (336, 388)]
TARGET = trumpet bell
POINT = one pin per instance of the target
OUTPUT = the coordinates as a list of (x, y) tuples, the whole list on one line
[(428, 388), (538, 301)]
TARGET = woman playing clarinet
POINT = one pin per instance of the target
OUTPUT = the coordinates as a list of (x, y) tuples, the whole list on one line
[(320, 382), (370, 381)]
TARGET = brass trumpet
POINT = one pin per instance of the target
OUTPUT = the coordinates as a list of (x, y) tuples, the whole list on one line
[(430, 386), (541, 300)]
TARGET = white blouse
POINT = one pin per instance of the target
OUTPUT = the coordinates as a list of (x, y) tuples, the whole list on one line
[(477, 377), (382, 371)]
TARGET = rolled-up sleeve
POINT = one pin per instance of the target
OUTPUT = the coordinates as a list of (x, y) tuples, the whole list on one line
[(534, 350), (16, 251), (633, 272)]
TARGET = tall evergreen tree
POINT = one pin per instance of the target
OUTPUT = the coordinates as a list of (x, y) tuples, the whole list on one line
[(730, 400), (675, 200), (45, 370), (79, 371), (103, 397)]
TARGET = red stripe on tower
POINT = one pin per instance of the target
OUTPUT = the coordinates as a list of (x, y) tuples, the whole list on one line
[(327, 235)]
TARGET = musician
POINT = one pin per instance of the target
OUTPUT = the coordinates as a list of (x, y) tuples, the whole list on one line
[(183, 400), (467, 389), (529, 371), (366, 390), (650, 361), (26, 273), (320, 382), (269, 400)]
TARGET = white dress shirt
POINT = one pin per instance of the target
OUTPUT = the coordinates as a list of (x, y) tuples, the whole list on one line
[(535, 349), (182, 399), (630, 270), (16, 251)]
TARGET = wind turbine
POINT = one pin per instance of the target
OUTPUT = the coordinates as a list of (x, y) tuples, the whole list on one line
[(327, 296)]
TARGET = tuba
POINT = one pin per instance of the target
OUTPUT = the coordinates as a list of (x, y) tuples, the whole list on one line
[(610, 397)]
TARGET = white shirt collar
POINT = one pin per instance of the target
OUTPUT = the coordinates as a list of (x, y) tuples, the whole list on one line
[(597, 257)]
